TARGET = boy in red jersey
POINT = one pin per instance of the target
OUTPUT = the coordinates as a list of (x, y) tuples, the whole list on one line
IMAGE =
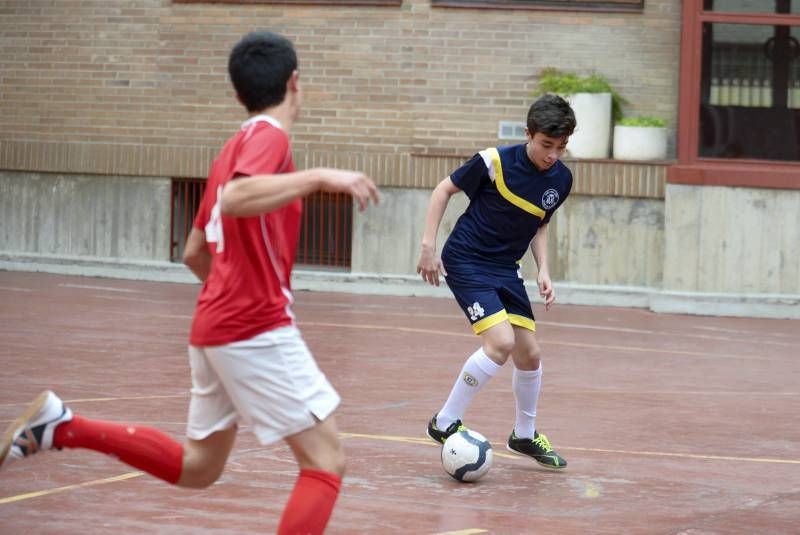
[(248, 360)]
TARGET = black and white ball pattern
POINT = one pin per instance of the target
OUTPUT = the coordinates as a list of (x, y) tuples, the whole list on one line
[(467, 455)]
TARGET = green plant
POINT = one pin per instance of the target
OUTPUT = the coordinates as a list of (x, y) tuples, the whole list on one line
[(552, 80), (642, 121)]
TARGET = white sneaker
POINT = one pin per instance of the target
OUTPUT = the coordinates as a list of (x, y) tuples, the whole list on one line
[(33, 430)]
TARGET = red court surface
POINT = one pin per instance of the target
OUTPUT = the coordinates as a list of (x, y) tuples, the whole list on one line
[(671, 424)]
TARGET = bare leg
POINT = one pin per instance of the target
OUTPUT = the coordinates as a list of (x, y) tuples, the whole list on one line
[(321, 458), (319, 448), (204, 460)]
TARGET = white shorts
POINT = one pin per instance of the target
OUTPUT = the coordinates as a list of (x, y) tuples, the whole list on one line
[(270, 382)]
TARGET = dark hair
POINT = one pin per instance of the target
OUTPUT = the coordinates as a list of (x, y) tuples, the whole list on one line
[(552, 116), (259, 66)]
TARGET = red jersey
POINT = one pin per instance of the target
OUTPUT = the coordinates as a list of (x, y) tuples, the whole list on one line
[(248, 290)]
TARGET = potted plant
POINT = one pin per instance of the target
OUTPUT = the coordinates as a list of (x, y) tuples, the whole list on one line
[(595, 104), (640, 138)]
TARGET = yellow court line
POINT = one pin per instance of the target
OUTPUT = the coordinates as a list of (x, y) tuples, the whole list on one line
[(418, 441), (20, 497), (391, 438), (689, 456), (543, 342), (415, 440), (87, 400)]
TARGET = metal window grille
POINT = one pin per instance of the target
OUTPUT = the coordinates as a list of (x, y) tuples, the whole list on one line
[(186, 196), (325, 230)]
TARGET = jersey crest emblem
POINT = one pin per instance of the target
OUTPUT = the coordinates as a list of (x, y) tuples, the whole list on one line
[(549, 199)]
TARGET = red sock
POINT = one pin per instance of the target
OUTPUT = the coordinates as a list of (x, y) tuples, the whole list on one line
[(144, 448), (311, 503)]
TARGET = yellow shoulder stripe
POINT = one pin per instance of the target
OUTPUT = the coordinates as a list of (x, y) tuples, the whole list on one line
[(505, 192)]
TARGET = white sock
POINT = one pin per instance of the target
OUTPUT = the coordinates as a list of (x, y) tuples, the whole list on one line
[(526, 385), (477, 371)]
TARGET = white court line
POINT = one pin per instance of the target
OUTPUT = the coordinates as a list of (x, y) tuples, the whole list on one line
[(137, 299), (749, 340), (738, 393), (104, 288), (145, 314), (344, 305), (756, 338), (470, 531), (554, 392), (417, 313), (756, 334), (546, 342), (678, 455), (14, 289)]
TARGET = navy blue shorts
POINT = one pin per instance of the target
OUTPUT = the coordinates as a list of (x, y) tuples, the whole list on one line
[(490, 295)]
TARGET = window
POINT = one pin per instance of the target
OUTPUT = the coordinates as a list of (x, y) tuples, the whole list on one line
[(750, 92), (569, 5), (740, 94)]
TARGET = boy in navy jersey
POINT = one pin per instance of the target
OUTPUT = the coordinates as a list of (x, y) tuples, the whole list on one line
[(513, 193)]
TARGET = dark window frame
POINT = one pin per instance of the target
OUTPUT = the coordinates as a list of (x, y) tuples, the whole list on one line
[(625, 6), (613, 6), (691, 168), (375, 3)]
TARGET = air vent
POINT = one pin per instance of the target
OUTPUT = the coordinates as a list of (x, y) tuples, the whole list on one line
[(511, 130)]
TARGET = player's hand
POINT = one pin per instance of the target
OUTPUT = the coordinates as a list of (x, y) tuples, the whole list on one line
[(430, 265), (546, 289), (355, 183)]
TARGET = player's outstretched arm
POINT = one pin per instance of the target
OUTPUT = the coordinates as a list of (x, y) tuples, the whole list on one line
[(430, 264), (248, 196), (539, 250)]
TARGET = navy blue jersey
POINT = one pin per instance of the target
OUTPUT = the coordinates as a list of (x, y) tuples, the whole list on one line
[(509, 200)]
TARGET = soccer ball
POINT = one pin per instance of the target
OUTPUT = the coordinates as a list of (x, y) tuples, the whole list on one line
[(467, 455)]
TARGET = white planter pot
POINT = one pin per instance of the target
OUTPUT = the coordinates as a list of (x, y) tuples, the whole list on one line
[(640, 143), (593, 131)]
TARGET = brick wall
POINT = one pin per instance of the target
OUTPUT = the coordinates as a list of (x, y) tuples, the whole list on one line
[(82, 81)]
